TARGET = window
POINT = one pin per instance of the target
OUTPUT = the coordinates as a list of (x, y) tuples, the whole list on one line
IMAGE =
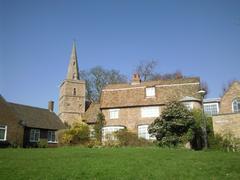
[(51, 136), (189, 105), (143, 132), (108, 132), (34, 135), (211, 108), (236, 105), (150, 92), (150, 111), (74, 91), (3, 133), (74, 76), (114, 113)]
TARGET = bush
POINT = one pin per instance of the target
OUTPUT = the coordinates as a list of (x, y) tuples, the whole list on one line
[(77, 134), (42, 143), (94, 143), (98, 126), (198, 141), (226, 142), (174, 127), (126, 138)]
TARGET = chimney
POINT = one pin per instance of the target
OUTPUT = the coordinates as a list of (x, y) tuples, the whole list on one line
[(136, 79), (50, 106)]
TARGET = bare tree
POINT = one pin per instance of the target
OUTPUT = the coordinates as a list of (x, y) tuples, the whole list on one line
[(204, 86), (175, 75), (146, 69), (226, 86), (97, 77)]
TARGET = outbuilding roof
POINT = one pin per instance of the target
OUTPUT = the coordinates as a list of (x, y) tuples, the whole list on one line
[(90, 116), (35, 117)]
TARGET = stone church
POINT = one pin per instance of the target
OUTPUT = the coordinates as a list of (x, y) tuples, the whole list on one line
[(72, 93)]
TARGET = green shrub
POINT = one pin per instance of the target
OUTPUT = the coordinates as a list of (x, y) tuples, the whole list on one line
[(126, 138), (42, 143), (98, 126), (77, 134), (174, 127), (94, 143), (226, 142)]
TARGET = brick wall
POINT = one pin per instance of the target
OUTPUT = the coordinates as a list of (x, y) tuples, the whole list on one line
[(129, 117)]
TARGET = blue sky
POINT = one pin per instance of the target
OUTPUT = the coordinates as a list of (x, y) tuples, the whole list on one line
[(200, 38)]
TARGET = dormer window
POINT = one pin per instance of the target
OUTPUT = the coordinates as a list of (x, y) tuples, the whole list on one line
[(74, 91), (150, 92), (236, 105)]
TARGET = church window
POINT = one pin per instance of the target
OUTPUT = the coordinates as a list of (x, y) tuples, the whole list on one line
[(236, 105), (74, 91)]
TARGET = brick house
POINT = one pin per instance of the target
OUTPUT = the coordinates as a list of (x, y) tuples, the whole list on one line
[(135, 106), (24, 126), (228, 119)]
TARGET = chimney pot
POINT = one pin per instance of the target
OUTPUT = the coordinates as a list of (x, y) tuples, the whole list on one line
[(50, 106)]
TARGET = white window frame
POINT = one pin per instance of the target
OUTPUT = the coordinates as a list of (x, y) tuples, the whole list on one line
[(150, 92), (32, 138), (146, 111), (143, 132), (5, 132), (209, 104), (109, 130), (114, 113), (53, 134), (188, 105), (233, 110)]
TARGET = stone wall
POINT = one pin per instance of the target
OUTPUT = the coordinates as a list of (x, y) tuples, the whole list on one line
[(71, 105), (225, 123), (226, 101)]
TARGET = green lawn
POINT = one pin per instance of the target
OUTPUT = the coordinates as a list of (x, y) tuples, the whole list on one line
[(117, 163)]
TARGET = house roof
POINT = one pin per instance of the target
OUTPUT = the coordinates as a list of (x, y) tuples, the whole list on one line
[(6, 112), (126, 95), (212, 100), (90, 116), (35, 117), (153, 83), (188, 98)]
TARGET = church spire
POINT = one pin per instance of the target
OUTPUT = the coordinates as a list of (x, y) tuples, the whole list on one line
[(73, 73)]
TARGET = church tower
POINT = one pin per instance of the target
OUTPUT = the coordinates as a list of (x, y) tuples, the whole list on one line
[(72, 93)]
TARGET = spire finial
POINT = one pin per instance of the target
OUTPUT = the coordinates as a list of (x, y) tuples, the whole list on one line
[(73, 65)]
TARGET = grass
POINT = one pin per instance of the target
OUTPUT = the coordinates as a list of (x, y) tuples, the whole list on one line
[(117, 163)]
